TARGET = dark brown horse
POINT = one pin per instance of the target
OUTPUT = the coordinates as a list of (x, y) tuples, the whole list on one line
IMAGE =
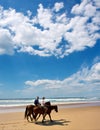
[(33, 111), (29, 112), (41, 110)]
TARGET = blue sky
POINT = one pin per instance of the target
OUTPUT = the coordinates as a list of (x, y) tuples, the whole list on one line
[(49, 48)]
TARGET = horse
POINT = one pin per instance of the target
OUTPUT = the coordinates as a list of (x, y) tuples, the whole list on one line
[(40, 110), (29, 112), (33, 111)]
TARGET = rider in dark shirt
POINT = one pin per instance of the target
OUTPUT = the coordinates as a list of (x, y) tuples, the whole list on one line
[(36, 102)]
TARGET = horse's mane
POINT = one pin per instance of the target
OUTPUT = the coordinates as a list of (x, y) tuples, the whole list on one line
[(48, 104)]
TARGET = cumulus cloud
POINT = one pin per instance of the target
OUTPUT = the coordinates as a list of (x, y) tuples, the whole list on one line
[(43, 34), (58, 6), (6, 43), (85, 81), (45, 82)]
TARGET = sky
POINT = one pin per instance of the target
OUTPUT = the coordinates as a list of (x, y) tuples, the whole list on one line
[(49, 48)]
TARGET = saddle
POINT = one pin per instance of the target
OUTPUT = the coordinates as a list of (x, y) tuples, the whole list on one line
[(40, 107)]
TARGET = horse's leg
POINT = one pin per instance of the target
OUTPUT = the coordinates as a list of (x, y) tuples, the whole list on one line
[(27, 117), (35, 117), (43, 118), (44, 115), (50, 117), (31, 117), (38, 117)]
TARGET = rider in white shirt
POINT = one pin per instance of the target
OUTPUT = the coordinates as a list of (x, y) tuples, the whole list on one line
[(43, 101), (43, 104)]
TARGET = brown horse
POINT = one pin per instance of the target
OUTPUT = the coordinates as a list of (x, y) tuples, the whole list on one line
[(29, 112), (41, 110), (33, 111)]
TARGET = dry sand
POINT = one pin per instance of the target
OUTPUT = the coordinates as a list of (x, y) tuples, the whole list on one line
[(83, 118)]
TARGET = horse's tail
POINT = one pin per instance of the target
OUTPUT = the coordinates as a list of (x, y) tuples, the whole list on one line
[(25, 115)]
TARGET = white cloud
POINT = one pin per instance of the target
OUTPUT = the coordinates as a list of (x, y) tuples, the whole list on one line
[(6, 43), (29, 13), (47, 29), (86, 8), (94, 75), (58, 6), (86, 82), (97, 59), (45, 82)]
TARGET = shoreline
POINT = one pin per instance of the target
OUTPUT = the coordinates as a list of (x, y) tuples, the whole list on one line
[(10, 109)]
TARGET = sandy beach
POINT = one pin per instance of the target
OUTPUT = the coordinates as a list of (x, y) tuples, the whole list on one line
[(81, 118)]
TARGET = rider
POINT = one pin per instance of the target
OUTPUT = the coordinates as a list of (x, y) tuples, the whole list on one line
[(43, 101), (36, 102), (43, 104)]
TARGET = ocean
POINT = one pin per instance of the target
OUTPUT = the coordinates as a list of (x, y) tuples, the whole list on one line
[(9, 104), (59, 100)]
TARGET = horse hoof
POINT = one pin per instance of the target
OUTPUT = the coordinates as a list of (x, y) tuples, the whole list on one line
[(42, 121)]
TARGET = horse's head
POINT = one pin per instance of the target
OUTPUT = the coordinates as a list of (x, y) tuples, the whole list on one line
[(56, 108)]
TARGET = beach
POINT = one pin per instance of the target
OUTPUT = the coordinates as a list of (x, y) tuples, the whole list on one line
[(75, 118)]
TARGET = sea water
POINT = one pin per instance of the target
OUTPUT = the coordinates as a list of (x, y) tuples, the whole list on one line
[(20, 104)]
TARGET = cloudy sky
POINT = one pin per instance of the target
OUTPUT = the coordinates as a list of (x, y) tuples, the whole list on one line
[(49, 48)]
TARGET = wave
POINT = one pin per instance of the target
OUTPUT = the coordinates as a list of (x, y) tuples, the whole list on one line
[(59, 100)]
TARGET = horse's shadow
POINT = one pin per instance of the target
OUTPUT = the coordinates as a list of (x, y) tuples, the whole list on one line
[(60, 122)]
